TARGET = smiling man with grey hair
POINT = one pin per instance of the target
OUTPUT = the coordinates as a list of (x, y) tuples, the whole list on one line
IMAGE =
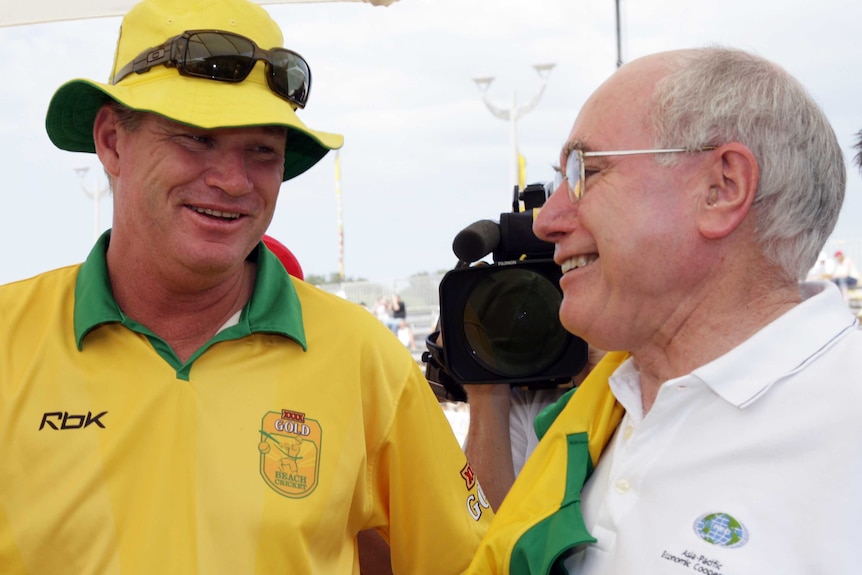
[(696, 189)]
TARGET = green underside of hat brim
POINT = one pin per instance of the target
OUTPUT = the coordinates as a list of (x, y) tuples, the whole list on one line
[(73, 110)]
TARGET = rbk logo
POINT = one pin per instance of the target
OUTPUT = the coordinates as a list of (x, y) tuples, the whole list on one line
[(65, 420)]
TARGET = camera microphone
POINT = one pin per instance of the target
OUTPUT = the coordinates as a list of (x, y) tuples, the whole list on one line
[(476, 240)]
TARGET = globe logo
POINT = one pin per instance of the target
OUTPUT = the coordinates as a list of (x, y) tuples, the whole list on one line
[(721, 529)]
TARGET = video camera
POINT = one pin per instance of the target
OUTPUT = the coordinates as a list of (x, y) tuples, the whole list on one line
[(499, 322)]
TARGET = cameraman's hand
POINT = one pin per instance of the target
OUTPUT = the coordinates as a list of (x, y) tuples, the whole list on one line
[(488, 444)]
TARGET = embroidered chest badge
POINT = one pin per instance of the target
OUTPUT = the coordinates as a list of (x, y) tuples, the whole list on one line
[(290, 452), (721, 529)]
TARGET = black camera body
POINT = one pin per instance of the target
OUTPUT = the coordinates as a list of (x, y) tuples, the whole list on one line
[(499, 322)]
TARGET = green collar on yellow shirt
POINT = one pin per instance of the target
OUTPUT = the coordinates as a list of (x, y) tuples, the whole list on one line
[(274, 306)]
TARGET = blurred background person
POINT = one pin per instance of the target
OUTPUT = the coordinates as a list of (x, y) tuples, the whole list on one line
[(844, 273)]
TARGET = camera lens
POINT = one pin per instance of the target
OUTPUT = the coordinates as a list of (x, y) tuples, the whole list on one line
[(511, 322)]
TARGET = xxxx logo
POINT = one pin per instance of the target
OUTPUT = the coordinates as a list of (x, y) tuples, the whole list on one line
[(290, 452)]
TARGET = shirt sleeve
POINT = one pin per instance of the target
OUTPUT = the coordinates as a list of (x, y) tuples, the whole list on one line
[(437, 514), (520, 429), (525, 406)]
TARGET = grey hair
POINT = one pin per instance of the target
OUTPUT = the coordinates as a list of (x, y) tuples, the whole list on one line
[(718, 95)]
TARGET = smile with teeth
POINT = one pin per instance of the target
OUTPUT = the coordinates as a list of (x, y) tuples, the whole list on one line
[(216, 213), (578, 262)]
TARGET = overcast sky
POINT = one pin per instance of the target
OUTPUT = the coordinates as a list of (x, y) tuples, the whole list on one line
[(423, 156)]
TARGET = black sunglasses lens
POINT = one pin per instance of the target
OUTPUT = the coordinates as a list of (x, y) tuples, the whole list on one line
[(218, 56), (289, 76), (230, 58)]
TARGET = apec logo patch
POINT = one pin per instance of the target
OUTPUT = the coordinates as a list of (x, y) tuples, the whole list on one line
[(289, 449), (721, 529)]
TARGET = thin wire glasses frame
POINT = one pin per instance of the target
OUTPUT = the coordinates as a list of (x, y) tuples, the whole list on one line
[(575, 164)]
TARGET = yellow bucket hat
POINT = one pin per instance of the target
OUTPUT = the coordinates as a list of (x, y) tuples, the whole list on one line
[(197, 102)]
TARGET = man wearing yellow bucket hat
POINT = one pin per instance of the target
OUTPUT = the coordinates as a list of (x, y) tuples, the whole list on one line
[(178, 403)]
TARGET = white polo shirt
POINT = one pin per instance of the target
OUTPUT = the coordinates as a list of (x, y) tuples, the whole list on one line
[(751, 464)]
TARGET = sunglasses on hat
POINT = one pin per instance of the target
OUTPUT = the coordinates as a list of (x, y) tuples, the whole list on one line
[(226, 57)]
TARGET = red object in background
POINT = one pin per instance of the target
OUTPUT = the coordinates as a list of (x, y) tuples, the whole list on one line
[(288, 260)]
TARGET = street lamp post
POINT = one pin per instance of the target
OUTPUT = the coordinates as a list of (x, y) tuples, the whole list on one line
[(619, 18), (95, 193), (514, 113)]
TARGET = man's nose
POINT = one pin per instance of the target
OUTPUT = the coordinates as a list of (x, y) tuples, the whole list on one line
[(555, 216), (230, 173)]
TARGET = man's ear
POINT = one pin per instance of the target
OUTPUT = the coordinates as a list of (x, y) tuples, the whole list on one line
[(105, 138), (733, 180)]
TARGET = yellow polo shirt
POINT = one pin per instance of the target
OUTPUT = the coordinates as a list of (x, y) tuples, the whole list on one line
[(266, 452)]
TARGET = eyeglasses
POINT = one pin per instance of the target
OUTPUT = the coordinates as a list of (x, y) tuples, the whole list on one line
[(574, 164), (226, 57)]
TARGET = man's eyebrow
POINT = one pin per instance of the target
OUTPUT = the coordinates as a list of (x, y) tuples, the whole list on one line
[(275, 130), (576, 144)]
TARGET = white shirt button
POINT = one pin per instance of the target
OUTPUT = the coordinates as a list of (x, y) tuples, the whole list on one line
[(628, 432), (623, 486)]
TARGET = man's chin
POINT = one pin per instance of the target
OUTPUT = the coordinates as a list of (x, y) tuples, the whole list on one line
[(575, 316)]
